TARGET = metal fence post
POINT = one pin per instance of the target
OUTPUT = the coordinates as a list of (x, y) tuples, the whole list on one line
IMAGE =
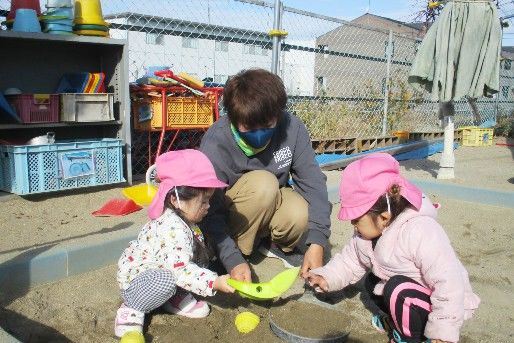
[(276, 38), (389, 55)]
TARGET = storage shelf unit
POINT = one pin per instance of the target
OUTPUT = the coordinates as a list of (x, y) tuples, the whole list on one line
[(35, 62)]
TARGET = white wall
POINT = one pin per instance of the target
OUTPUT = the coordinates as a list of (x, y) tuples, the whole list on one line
[(297, 69), (202, 61)]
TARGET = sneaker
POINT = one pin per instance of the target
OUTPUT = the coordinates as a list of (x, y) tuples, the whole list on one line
[(289, 259), (128, 319), (376, 322), (397, 338), (184, 304)]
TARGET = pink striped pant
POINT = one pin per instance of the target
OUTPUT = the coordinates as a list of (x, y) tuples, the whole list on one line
[(406, 302)]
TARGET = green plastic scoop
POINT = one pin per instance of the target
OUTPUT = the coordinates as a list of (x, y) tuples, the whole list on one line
[(266, 290)]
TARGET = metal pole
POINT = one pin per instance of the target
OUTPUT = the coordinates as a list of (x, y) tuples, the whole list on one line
[(447, 163), (499, 87), (389, 53), (276, 39)]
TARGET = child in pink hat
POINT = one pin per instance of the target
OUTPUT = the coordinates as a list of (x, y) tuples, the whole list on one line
[(415, 277), (167, 262)]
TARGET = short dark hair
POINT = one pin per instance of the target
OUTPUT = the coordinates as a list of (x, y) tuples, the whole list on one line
[(254, 98), (184, 193), (396, 201)]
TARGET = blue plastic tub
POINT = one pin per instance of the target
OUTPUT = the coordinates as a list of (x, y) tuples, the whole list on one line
[(29, 169)]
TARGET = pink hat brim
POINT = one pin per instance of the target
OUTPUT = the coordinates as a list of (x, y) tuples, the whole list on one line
[(409, 191), (351, 213), (156, 208)]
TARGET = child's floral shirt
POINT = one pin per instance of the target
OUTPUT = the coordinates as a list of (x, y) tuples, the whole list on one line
[(167, 243)]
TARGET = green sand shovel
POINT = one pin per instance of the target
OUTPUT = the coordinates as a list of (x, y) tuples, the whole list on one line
[(266, 290)]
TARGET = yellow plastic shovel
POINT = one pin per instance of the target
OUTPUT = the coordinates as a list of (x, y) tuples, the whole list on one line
[(141, 194), (266, 290)]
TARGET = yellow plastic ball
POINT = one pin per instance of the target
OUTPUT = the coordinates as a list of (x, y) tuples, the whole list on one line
[(133, 337), (246, 322)]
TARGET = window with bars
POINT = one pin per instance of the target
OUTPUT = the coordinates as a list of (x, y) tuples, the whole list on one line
[(249, 49), (321, 82), (324, 49), (221, 46), (154, 38), (505, 91), (188, 42), (219, 78)]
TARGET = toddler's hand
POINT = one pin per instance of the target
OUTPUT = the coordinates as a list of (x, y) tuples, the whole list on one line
[(221, 284), (317, 282)]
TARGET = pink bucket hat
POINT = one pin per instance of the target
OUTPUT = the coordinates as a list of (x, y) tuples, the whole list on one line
[(186, 167), (365, 180)]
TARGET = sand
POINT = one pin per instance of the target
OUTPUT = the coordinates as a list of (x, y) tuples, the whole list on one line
[(82, 308)]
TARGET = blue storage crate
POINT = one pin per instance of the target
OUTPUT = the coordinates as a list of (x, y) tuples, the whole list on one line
[(29, 169)]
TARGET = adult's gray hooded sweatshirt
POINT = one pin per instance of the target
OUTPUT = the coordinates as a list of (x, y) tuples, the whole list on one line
[(288, 153)]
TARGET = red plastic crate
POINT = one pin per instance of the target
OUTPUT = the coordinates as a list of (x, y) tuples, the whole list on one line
[(36, 108)]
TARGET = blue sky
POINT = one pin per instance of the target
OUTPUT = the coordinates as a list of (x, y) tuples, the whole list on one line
[(349, 9), (403, 10)]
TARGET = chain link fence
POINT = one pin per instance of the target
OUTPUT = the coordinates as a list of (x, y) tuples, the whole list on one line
[(344, 79)]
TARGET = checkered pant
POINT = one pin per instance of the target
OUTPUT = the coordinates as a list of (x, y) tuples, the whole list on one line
[(149, 290)]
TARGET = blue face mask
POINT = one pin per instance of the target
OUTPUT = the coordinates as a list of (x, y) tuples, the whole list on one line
[(257, 138)]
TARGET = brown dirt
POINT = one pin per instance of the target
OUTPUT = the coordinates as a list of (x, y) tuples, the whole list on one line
[(310, 320)]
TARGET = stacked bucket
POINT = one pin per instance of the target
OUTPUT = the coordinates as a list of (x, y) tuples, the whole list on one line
[(24, 16), (58, 18), (89, 20)]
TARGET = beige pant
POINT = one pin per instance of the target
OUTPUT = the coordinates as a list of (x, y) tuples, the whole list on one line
[(259, 208)]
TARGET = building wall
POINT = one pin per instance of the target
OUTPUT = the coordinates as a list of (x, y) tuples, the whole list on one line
[(363, 73), (201, 60), (297, 69)]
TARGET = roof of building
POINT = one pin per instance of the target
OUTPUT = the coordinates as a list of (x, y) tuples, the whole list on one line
[(416, 26), (179, 27)]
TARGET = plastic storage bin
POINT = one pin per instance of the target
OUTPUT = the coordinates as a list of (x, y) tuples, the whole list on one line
[(402, 135), (182, 112), (475, 136), (35, 108), (85, 107), (28, 169)]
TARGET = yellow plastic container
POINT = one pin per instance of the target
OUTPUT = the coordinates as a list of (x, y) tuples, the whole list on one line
[(89, 12), (183, 112), (475, 136), (402, 135), (91, 33)]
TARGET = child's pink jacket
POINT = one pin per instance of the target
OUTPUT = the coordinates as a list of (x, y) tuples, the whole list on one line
[(416, 246)]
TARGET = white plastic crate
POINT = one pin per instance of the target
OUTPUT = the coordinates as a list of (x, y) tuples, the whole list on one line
[(85, 107)]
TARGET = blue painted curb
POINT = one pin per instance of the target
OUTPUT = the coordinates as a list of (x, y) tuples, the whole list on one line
[(49, 263), (6, 338), (472, 194)]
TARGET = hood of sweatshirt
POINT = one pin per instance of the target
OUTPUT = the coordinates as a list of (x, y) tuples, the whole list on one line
[(427, 209)]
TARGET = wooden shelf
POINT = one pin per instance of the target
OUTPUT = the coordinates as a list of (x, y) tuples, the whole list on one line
[(50, 125)]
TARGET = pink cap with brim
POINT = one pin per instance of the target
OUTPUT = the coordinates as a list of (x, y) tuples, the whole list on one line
[(186, 167), (367, 179)]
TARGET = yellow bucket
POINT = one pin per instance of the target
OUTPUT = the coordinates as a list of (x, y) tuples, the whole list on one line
[(89, 12)]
